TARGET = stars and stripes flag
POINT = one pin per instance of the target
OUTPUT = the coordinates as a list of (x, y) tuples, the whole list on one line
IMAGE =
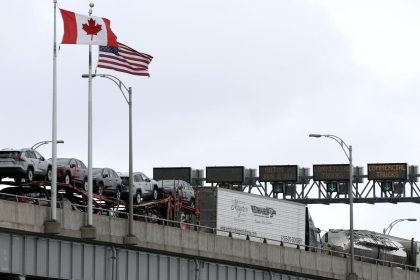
[(124, 59)]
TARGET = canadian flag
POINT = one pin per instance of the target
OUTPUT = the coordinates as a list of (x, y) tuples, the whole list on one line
[(81, 29)]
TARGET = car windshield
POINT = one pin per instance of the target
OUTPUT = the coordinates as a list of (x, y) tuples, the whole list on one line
[(63, 161), (9, 154), (96, 171)]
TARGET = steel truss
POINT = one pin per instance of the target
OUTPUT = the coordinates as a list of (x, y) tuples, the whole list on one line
[(315, 192)]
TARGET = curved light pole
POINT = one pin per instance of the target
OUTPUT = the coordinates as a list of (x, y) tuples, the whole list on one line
[(347, 149), (52, 226), (39, 144), (392, 224), (131, 238)]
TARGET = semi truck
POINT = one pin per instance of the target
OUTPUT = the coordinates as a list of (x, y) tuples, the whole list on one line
[(255, 217), (374, 247)]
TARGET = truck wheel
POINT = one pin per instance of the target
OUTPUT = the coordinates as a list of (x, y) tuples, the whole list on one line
[(100, 189), (192, 203), (155, 193), (30, 175), (137, 198), (67, 179), (118, 193), (48, 177), (85, 185)]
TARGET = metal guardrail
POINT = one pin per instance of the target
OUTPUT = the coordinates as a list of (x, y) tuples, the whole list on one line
[(183, 225)]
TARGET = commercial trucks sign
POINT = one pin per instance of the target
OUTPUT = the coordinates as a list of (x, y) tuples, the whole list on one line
[(331, 172), (278, 173), (387, 171), (263, 217)]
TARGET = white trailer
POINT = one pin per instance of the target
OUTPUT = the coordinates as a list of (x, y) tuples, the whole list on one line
[(243, 214)]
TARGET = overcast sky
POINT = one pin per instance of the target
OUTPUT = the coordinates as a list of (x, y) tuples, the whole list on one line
[(239, 82)]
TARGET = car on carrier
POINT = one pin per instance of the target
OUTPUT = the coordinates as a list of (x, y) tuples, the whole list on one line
[(72, 170), (106, 182), (182, 188), (27, 164), (143, 187)]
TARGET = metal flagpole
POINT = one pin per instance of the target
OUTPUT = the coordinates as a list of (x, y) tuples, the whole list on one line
[(52, 226), (88, 231), (54, 124), (89, 210)]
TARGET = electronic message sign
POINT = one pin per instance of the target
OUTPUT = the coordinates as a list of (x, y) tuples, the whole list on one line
[(172, 173), (225, 174), (387, 171), (331, 172), (278, 173)]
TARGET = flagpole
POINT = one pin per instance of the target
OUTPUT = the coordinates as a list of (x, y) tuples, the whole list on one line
[(53, 226), (88, 231), (54, 124), (89, 223)]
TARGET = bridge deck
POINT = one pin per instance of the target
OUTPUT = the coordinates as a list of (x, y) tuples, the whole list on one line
[(29, 219)]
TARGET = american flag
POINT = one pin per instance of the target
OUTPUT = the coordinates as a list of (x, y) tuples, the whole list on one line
[(124, 59)]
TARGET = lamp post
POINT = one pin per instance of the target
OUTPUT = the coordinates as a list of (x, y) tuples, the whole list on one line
[(131, 238), (52, 226), (39, 144), (392, 224), (347, 149)]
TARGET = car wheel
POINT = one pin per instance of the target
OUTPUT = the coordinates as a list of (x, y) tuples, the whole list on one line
[(100, 189), (48, 177), (118, 193), (67, 179), (155, 193), (137, 198), (85, 185), (30, 175)]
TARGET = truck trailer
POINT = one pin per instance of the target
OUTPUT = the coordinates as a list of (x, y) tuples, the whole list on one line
[(244, 215), (373, 247)]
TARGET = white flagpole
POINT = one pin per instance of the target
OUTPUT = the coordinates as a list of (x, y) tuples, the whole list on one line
[(52, 226), (54, 124), (90, 182)]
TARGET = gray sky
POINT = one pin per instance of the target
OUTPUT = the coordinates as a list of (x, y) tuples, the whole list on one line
[(232, 83)]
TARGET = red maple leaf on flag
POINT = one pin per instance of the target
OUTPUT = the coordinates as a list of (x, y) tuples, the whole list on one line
[(91, 28)]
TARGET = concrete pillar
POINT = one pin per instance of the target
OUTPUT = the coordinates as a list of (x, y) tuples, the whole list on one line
[(88, 232), (52, 227), (352, 276)]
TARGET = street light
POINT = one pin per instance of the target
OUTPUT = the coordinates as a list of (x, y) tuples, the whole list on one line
[(347, 149), (39, 144), (131, 238), (391, 225)]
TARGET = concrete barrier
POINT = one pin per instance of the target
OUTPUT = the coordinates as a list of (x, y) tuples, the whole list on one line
[(31, 218)]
